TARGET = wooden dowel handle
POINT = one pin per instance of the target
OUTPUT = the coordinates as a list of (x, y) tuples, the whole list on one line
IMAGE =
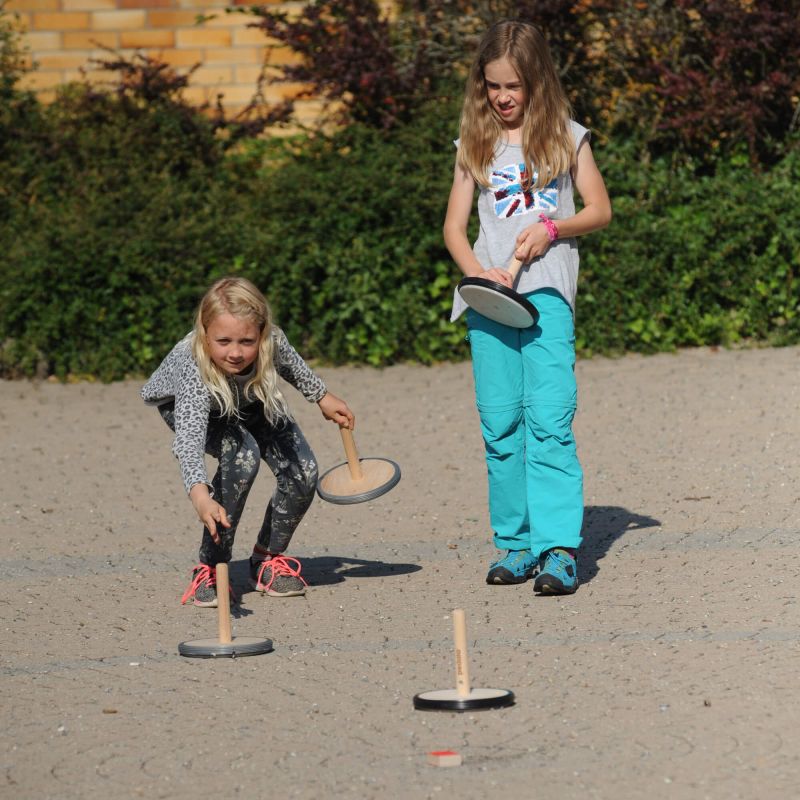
[(224, 603), (514, 267), (352, 454), (462, 663)]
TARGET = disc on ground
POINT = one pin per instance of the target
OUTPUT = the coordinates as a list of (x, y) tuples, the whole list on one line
[(451, 700), (378, 476), (498, 302), (236, 648)]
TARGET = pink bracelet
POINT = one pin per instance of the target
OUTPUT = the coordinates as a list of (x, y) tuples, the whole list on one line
[(552, 229)]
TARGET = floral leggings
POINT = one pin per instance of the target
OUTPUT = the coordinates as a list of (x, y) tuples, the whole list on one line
[(239, 445)]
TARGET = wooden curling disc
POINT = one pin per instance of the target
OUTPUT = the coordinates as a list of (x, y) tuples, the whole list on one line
[(378, 476), (212, 648)]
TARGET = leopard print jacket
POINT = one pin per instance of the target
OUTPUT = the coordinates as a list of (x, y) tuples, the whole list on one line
[(178, 380)]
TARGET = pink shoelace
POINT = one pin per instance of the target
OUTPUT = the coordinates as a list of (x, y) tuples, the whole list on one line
[(280, 566), (204, 574)]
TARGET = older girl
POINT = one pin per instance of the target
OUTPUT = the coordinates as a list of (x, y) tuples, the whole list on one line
[(520, 148)]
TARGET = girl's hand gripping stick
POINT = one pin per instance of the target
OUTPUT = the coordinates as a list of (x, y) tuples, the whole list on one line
[(497, 302)]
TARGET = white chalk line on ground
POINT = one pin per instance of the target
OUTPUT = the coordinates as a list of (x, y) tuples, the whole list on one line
[(372, 647), (398, 552)]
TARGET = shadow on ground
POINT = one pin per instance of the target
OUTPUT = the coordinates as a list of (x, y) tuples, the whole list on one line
[(602, 526), (327, 570)]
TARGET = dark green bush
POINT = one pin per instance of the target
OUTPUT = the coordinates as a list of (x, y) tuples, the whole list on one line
[(112, 238), (692, 260), (123, 212), (117, 209), (688, 260), (116, 213), (358, 268)]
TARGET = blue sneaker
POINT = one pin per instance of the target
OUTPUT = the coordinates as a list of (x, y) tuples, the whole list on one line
[(558, 572), (515, 567)]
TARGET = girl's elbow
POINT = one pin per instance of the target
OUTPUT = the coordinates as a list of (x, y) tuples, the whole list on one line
[(606, 215)]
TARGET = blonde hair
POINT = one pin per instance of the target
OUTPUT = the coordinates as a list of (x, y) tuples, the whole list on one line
[(546, 136), (241, 299)]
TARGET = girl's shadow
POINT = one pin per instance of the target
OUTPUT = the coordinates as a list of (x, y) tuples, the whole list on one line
[(602, 526), (324, 571)]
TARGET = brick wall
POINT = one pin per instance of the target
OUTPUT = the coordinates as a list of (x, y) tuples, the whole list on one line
[(63, 35)]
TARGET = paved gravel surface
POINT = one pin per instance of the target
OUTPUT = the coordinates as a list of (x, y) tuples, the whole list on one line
[(671, 673)]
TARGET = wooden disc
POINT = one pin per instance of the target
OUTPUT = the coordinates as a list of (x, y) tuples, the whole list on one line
[(451, 700), (498, 302), (237, 647), (378, 476)]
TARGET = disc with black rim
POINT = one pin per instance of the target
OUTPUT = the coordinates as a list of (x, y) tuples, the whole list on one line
[(239, 647), (476, 700), (498, 302)]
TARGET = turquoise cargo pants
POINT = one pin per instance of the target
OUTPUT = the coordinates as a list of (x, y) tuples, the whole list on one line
[(526, 396)]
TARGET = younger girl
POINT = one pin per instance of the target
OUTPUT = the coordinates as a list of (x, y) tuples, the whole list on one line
[(524, 153), (218, 391)]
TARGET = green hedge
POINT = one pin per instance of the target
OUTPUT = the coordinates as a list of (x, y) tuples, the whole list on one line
[(357, 270), (114, 216), (692, 260)]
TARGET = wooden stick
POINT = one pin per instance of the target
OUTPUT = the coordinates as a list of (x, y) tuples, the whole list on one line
[(224, 603), (513, 268), (462, 665), (352, 454)]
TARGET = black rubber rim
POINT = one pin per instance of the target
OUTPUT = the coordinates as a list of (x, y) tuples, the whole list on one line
[(506, 292), (232, 650), (482, 704), (345, 500)]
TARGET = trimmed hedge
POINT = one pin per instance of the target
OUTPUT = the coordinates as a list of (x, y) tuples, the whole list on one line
[(116, 214), (692, 259), (358, 270), (114, 217)]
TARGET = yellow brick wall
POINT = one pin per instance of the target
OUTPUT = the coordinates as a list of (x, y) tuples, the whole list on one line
[(64, 35)]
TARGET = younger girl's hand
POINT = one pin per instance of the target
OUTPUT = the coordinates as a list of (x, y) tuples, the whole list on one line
[(336, 410), (210, 512), (533, 242)]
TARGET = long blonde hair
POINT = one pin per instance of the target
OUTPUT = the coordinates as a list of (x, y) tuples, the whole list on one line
[(546, 136), (241, 299)]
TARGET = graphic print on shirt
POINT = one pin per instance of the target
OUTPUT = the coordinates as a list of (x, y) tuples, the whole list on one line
[(510, 199)]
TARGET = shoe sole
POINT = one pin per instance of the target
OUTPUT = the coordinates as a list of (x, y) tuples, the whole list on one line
[(500, 576), (548, 588), (273, 593), (502, 580), (206, 603)]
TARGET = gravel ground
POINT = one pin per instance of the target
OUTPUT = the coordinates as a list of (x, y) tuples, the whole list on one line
[(671, 673)]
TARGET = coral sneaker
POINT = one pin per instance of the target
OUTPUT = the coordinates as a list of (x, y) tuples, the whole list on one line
[(278, 576), (202, 590)]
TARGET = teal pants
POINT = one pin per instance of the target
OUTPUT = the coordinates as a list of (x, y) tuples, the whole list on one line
[(526, 396)]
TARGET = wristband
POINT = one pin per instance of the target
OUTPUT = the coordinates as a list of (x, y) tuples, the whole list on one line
[(552, 229)]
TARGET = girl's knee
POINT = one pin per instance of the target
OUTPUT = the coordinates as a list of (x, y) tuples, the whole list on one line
[(298, 480), (551, 423), (306, 477), (499, 425)]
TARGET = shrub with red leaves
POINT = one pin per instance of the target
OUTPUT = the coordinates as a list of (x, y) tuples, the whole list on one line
[(737, 75), (376, 70), (703, 78)]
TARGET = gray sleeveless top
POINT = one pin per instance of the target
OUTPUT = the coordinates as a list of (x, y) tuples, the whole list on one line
[(504, 210)]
